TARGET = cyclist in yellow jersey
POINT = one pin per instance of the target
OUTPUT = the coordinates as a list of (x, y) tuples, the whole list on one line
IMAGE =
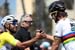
[(6, 37)]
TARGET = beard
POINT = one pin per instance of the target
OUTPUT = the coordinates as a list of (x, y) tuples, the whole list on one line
[(12, 31), (56, 20)]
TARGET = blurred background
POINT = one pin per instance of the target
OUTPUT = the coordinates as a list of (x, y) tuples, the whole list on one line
[(39, 10)]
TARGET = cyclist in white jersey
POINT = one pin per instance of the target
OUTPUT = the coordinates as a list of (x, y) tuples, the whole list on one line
[(63, 34)]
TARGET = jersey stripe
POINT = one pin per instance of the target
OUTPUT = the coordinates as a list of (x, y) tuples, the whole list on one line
[(68, 37)]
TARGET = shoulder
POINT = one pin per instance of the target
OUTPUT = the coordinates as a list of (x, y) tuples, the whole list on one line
[(5, 33), (60, 23)]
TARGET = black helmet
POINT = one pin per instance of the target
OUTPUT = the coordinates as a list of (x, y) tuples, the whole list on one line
[(57, 6)]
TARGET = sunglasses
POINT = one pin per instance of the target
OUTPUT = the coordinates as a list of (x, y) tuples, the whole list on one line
[(28, 21), (14, 22)]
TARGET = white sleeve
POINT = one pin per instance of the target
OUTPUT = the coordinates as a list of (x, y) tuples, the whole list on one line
[(59, 31)]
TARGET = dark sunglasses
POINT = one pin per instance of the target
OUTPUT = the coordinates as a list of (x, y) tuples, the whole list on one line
[(28, 21), (15, 22)]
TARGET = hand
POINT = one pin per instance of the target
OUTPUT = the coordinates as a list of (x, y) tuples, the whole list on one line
[(40, 35), (38, 30)]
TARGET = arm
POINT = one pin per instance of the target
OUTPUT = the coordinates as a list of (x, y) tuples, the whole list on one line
[(50, 37), (11, 40), (27, 43), (56, 43), (30, 42)]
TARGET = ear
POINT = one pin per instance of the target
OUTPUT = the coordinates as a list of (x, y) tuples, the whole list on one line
[(7, 25)]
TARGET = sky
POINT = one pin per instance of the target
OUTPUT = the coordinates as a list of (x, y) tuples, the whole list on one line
[(12, 5)]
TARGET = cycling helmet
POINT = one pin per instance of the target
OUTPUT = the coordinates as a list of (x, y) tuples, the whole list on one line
[(8, 18), (57, 6)]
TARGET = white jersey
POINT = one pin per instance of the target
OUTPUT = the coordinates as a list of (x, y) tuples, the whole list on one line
[(63, 30)]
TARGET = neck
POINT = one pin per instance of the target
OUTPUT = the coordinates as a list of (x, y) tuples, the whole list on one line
[(62, 18), (25, 27)]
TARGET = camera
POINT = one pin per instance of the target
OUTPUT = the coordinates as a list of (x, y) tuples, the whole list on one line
[(39, 31)]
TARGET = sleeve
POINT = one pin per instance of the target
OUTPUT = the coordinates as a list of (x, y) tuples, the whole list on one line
[(10, 39), (59, 31)]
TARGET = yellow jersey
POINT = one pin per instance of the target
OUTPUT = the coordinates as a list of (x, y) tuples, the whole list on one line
[(6, 37)]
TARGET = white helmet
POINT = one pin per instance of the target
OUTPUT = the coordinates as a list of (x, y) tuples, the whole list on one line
[(8, 18)]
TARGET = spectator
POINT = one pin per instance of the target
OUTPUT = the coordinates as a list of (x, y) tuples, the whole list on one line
[(23, 34)]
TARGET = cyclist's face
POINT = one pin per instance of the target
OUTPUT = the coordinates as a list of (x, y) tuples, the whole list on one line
[(54, 16), (13, 28)]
